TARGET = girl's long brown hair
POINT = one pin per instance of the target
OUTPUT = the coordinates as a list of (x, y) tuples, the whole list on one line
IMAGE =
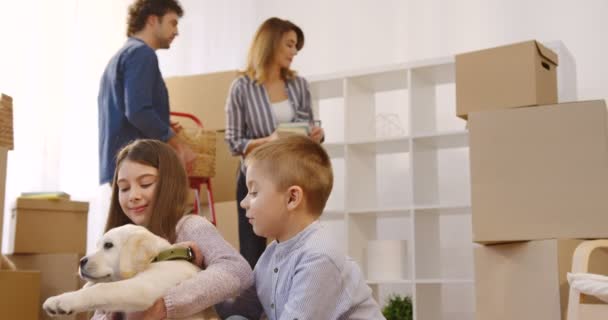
[(265, 42), (171, 187)]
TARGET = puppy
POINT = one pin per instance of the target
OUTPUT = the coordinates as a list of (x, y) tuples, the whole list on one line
[(121, 276)]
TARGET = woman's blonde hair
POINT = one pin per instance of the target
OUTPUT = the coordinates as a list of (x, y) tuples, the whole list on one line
[(265, 42), (171, 187)]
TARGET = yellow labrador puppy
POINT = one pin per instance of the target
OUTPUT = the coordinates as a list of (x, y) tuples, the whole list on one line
[(121, 275)]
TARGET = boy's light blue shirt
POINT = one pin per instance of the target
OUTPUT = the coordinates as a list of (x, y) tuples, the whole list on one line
[(306, 277)]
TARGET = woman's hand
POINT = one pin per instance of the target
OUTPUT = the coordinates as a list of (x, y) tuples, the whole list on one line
[(199, 260), (317, 134), (176, 126)]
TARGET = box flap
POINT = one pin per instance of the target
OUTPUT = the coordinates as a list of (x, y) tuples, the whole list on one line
[(547, 53), (52, 205)]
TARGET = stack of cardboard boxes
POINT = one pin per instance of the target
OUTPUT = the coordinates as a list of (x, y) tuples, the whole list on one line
[(19, 290), (539, 178), (49, 236), (205, 96)]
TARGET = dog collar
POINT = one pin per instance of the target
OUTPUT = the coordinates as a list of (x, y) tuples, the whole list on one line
[(175, 254)]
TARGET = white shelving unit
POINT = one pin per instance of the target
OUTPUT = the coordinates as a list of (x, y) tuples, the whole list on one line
[(401, 172)]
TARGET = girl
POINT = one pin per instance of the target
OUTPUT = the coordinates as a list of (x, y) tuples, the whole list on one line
[(267, 94), (150, 189)]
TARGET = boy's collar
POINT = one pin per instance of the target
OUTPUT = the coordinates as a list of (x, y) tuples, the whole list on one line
[(296, 241)]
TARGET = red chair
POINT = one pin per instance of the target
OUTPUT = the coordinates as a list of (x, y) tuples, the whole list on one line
[(196, 182)]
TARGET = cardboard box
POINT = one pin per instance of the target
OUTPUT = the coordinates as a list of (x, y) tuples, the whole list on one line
[(539, 172), (202, 95), (205, 97), (3, 163), (516, 75), (58, 274), (526, 280), (19, 295), (48, 226)]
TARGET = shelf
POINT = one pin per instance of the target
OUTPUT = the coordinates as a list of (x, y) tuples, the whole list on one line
[(326, 89), (334, 149), (404, 178), (333, 213), (385, 80), (443, 209), (385, 145), (381, 212), (439, 71), (442, 140), (384, 282), (444, 281)]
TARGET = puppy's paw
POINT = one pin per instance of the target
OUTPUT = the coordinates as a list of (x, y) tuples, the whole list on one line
[(61, 305)]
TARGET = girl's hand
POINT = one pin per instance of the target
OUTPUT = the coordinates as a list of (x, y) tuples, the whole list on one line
[(317, 134), (199, 260), (158, 311)]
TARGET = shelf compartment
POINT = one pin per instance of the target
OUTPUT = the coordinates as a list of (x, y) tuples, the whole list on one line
[(337, 200), (441, 176), (377, 106), (382, 146), (326, 88), (381, 230), (443, 244), (432, 99), (368, 172), (336, 225), (381, 212), (444, 301), (443, 209), (334, 149), (381, 291), (442, 140)]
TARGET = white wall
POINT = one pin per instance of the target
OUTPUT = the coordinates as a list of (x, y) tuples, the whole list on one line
[(345, 35), (53, 53), (214, 36)]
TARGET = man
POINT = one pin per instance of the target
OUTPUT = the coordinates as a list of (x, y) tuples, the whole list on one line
[(133, 99)]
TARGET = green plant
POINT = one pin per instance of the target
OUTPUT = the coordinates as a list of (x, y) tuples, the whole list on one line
[(398, 308)]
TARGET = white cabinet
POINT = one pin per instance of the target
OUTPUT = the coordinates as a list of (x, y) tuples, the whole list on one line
[(401, 167)]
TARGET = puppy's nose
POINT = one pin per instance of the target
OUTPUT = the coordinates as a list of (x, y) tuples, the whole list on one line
[(83, 262)]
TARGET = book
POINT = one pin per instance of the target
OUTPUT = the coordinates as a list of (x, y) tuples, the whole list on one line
[(48, 195), (301, 128)]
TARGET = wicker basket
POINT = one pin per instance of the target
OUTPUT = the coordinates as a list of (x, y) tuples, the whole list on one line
[(6, 122), (202, 142)]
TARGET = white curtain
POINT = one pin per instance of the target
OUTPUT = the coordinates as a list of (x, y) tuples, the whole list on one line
[(51, 59)]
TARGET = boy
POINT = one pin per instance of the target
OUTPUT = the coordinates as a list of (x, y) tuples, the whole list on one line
[(301, 275)]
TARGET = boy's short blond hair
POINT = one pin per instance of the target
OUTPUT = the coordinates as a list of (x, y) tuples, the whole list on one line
[(299, 161)]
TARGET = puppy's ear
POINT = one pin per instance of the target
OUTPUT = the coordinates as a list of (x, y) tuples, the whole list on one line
[(137, 253)]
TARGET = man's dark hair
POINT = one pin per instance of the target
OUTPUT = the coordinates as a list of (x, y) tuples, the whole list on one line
[(140, 10)]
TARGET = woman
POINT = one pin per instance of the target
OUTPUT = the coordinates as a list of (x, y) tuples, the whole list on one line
[(267, 94)]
